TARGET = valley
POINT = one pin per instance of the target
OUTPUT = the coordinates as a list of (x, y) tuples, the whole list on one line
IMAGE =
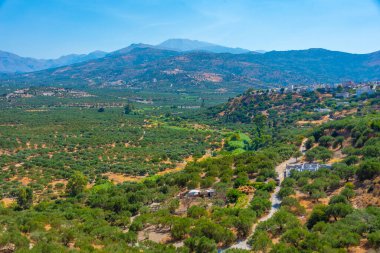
[(177, 126)]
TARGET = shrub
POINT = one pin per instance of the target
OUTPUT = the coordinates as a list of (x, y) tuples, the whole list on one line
[(285, 192), (326, 141), (201, 245), (76, 184), (233, 195), (368, 169), (338, 199), (25, 197), (374, 239), (260, 205), (260, 241), (180, 228), (339, 210), (196, 212), (318, 214)]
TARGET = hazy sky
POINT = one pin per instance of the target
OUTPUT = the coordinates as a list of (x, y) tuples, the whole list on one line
[(50, 28)]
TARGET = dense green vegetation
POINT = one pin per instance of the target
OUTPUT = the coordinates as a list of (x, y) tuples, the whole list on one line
[(59, 141), (336, 225), (105, 209), (116, 180)]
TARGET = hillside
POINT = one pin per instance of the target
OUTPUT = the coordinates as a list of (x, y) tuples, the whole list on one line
[(141, 66), (300, 106), (334, 207)]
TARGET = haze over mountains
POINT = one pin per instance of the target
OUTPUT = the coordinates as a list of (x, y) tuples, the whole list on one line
[(186, 64), (195, 45)]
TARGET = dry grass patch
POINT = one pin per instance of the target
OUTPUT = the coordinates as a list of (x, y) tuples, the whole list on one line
[(47, 227), (314, 122), (154, 234), (97, 246), (119, 178), (24, 180), (364, 198), (8, 201)]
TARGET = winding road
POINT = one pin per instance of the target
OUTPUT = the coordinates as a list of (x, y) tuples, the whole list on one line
[(275, 200)]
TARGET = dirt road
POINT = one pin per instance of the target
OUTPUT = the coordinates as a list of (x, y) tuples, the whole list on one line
[(275, 200)]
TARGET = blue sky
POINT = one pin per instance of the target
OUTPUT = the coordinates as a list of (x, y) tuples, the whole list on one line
[(51, 28)]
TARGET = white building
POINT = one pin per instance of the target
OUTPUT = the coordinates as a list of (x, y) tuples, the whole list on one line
[(304, 167)]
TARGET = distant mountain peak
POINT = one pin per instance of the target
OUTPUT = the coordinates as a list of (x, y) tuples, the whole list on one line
[(184, 45), (131, 47)]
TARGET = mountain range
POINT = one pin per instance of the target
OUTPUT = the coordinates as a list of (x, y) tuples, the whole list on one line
[(146, 66), (12, 63)]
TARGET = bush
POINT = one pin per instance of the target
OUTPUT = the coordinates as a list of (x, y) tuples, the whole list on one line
[(294, 236), (25, 197), (173, 205), (371, 151), (374, 239), (351, 160), (260, 205), (339, 210), (309, 143), (76, 184), (338, 199), (213, 231), (293, 206), (201, 245), (318, 153), (318, 214), (233, 195), (348, 192), (344, 171), (196, 212), (285, 192), (180, 228), (288, 182), (326, 141), (368, 170), (260, 241)]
